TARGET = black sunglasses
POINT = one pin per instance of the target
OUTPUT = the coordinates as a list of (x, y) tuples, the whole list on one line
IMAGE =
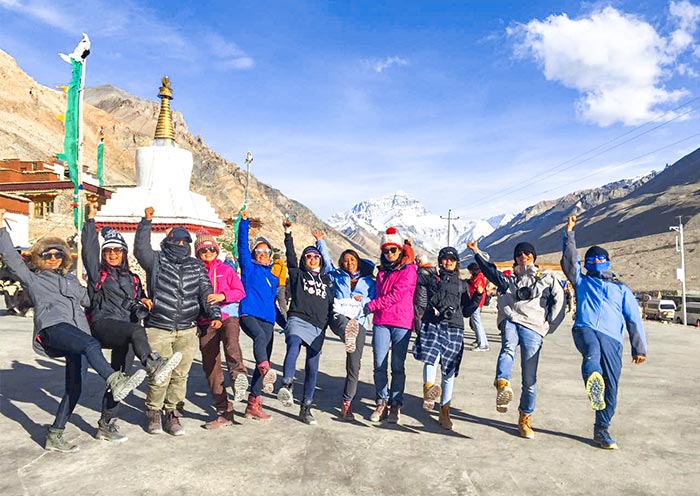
[(391, 250), (48, 255), (522, 252), (209, 249)]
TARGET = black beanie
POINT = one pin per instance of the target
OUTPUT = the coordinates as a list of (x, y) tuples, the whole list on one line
[(524, 247), (595, 251), (448, 252)]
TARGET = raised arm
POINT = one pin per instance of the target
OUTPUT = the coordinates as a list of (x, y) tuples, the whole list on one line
[(570, 263), (244, 256), (292, 262), (143, 251), (322, 247), (488, 268), (90, 251), (12, 258)]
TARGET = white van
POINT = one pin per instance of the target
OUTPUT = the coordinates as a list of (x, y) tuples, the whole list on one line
[(693, 313), (660, 310)]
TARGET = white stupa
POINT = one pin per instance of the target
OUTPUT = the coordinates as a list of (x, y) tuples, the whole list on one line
[(163, 174)]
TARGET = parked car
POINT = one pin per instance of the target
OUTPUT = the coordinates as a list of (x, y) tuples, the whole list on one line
[(692, 309), (660, 310)]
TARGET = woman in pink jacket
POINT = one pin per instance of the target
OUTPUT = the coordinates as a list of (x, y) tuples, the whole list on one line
[(392, 323), (228, 292)]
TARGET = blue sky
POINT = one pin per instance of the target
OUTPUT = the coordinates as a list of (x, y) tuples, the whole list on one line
[(481, 107)]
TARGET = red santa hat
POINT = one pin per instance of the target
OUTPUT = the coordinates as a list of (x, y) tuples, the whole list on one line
[(391, 238)]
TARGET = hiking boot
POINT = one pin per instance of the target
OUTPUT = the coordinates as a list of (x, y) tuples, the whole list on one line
[(108, 430), (431, 392), (346, 411), (444, 417), (221, 420), (121, 384), (240, 387), (504, 395), (254, 409), (595, 387), (352, 329), (305, 414), (525, 426), (172, 423), (159, 368), (269, 377), (155, 424), (601, 436), (285, 396), (394, 414), (56, 442), (380, 413)]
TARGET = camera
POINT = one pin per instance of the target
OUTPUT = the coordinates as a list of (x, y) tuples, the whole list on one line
[(448, 313), (137, 309), (524, 293)]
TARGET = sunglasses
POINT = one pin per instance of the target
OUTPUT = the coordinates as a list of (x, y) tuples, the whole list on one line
[(523, 252), (112, 250), (597, 258), (260, 251), (311, 256), (209, 249), (48, 255), (392, 250)]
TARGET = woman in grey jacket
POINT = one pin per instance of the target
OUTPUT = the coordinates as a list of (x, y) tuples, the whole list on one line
[(60, 326)]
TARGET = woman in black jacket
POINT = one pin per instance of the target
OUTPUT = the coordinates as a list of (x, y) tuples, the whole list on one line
[(117, 306), (440, 340)]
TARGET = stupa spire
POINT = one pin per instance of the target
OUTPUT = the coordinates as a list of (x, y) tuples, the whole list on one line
[(164, 128)]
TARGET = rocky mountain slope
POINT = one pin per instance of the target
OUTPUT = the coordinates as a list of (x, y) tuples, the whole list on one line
[(412, 219), (30, 130)]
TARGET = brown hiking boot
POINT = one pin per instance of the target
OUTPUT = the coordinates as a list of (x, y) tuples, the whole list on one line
[(172, 423), (444, 417), (431, 392), (504, 395), (223, 419), (380, 413), (155, 425), (346, 411), (254, 409), (394, 414), (352, 329), (525, 426)]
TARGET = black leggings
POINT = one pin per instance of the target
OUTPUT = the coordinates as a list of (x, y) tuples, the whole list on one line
[(262, 333), (125, 339)]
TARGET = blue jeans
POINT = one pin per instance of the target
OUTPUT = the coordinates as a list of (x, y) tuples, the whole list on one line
[(79, 349), (384, 338), (478, 328), (313, 358), (262, 334), (601, 354), (530, 342)]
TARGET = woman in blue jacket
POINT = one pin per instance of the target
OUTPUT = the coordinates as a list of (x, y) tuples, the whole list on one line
[(258, 313), (604, 307), (353, 287)]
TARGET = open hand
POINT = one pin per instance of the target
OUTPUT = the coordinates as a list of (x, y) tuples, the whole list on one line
[(244, 214), (148, 213), (570, 223), (318, 235)]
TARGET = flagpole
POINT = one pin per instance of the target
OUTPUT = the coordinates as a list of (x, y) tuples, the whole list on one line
[(80, 199)]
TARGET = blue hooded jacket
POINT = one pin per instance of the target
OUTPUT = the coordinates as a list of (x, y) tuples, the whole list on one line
[(603, 304), (258, 280)]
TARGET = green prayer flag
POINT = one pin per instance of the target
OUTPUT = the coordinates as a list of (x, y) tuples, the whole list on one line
[(100, 163)]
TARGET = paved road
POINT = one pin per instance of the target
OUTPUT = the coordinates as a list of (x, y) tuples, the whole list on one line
[(657, 428)]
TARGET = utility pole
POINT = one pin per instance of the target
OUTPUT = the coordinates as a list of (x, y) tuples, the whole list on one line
[(449, 219), (680, 273)]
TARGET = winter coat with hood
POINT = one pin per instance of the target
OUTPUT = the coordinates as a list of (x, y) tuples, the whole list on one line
[(178, 284), (311, 291), (543, 312), (258, 280), (57, 294), (445, 290), (342, 281), (396, 285), (225, 281), (603, 303), (107, 297)]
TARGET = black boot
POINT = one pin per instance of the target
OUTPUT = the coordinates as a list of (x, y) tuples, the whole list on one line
[(305, 414)]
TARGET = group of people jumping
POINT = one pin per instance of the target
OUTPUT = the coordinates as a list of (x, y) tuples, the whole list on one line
[(200, 302)]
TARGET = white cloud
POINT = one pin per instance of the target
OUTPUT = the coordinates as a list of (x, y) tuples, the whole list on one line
[(380, 65), (226, 54), (618, 62)]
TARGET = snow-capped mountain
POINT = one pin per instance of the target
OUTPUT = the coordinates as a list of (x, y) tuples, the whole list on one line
[(413, 220)]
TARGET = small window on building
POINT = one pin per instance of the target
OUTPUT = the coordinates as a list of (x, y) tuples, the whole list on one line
[(42, 208)]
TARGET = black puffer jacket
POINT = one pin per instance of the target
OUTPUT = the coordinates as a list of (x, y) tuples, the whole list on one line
[(178, 288)]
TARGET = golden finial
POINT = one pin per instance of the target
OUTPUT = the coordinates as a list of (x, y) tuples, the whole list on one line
[(164, 128)]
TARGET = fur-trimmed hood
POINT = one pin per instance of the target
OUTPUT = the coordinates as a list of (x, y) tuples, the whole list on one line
[(46, 243)]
